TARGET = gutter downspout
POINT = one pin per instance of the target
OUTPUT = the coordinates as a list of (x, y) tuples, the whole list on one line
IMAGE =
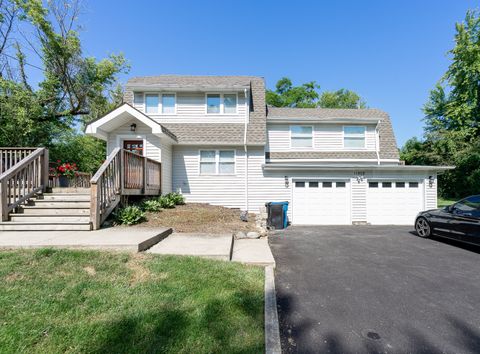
[(377, 142), (247, 115)]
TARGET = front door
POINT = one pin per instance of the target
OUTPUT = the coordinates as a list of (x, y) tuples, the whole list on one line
[(135, 146)]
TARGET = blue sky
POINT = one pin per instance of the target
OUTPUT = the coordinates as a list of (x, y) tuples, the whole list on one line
[(390, 52)]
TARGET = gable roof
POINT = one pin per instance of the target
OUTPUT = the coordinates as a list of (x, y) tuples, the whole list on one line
[(388, 144), (121, 115)]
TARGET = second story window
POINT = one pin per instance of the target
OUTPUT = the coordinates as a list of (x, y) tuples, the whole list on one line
[(301, 136), (138, 99), (151, 103), (354, 137), (168, 103), (213, 103), (229, 103)]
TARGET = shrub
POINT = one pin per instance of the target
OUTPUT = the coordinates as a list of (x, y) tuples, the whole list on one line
[(130, 215), (177, 198), (151, 205), (166, 202)]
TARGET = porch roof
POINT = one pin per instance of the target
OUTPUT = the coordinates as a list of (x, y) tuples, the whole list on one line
[(122, 115)]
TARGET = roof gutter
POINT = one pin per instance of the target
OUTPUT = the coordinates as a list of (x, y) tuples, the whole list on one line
[(351, 167)]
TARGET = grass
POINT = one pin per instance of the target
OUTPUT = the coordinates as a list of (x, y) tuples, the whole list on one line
[(195, 217), (444, 202), (59, 301)]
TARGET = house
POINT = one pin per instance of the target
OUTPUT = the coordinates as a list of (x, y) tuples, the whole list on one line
[(219, 143)]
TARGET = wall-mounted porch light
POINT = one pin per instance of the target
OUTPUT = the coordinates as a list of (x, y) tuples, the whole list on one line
[(287, 183), (133, 127), (431, 180)]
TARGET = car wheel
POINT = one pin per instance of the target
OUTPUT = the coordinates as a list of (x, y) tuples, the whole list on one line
[(423, 228)]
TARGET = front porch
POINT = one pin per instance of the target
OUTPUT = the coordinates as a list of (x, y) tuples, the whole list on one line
[(29, 203)]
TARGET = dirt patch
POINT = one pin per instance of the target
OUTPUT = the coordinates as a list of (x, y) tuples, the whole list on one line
[(139, 272), (90, 270), (195, 217)]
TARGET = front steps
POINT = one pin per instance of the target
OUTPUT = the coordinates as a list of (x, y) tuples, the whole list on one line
[(65, 209)]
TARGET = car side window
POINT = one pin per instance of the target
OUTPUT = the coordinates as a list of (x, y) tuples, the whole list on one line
[(468, 207)]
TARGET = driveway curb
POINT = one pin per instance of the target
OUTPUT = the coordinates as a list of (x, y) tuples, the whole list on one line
[(272, 329)]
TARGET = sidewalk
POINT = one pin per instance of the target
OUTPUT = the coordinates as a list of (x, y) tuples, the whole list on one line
[(124, 239)]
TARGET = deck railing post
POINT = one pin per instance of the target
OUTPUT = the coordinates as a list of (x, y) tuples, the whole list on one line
[(122, 171), (45, 168), (3, 200), (95, 205), (145, 174)]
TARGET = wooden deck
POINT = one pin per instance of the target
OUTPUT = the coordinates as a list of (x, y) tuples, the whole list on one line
[(24, 175)]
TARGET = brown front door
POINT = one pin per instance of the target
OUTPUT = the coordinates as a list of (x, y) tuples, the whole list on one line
[(135, 146)]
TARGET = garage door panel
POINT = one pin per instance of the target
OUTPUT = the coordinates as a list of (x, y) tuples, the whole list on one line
[(394, 205), (321, 203)]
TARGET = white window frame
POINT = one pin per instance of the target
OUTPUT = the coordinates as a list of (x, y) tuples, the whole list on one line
[(161, 102), (217, 163), (291, 137), (222, 103), (354, 136), (145, 94), (141, 106)]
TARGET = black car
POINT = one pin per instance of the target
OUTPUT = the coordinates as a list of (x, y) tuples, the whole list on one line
[(460, 221)]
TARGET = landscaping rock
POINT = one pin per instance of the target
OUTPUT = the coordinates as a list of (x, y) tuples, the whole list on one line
[(239, 235), (253, 234)]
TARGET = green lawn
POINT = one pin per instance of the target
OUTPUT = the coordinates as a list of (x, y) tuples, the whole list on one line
[(444, 202), (59, 301)]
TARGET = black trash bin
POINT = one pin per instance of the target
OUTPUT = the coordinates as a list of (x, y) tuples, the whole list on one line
[(277, 215)]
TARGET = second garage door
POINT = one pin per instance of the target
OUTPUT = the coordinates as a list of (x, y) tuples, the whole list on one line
[(321, 202), (394, 202)]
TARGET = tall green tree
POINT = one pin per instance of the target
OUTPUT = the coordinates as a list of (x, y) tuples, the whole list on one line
[(308, 96), (452, 116), (342, 98), (74, 87)]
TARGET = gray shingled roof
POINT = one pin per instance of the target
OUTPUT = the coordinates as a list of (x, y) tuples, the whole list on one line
[(191, 81), (388, 143), (212, 133)]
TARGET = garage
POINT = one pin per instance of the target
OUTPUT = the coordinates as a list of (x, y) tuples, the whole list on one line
[(394, 202), (321, 202)]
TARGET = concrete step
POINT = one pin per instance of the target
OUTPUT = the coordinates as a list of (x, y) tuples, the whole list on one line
[(60, 204), (71, 190), (48, 218), (36, 210), (44, 226), (65, 197)]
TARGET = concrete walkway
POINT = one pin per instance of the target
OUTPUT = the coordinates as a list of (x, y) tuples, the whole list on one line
[(216, 246), (256, 252), (124, 239)]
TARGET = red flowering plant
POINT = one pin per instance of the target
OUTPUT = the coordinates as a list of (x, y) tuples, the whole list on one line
[(67, 169)]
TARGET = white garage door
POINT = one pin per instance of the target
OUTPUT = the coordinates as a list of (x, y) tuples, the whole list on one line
[(394, 202), (321, 202)]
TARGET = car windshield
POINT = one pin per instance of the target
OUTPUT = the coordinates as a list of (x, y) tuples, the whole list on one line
[(469, 206)]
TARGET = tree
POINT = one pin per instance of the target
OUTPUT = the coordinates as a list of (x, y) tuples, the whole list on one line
[(287, 95), (73, 86), (307, 96), (452, 117), (341, 99)]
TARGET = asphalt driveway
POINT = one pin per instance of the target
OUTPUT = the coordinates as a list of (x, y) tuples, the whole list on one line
[(366, 289)]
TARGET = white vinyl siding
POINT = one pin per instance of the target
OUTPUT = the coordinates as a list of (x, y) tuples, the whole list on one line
[(326, 137)]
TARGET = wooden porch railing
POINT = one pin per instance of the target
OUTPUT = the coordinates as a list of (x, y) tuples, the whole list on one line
[(9, 156), (81, 180), (23, 179), (122, 173)]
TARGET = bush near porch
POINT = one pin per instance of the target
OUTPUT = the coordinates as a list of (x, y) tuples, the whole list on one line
[(60, 301)]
